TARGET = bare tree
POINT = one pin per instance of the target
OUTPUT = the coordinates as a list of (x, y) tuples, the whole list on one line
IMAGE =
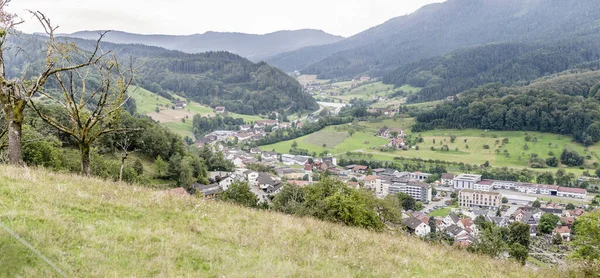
[(124, 145), (16, 93), (94, 113)]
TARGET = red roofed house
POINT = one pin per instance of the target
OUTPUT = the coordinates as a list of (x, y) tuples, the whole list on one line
[(219, 109), (564, 232), (360, 169)]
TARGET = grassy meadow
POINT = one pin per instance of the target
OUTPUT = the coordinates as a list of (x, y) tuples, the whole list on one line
[(147, 102), (89, 227), (337, 140)]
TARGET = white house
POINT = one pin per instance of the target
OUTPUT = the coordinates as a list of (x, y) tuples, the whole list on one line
[(417, 226), (226, 182), (252, 177)]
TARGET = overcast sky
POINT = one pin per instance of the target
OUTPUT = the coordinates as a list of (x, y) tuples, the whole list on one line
[(184, 17)]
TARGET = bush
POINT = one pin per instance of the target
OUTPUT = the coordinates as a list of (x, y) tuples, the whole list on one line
[(571, 158)]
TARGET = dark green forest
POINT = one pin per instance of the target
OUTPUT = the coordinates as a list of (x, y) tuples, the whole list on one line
[(500, 108), (508, 63), (212, 78)]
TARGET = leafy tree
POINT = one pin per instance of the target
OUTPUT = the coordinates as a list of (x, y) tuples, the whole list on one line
[(239, 193), (552, 161), (571, 158), (294, 145), (160, 167), (419, 206), (548, 222), (432, 224), (519, 252), (504, 200), (536, 204), (453, 195), (519, 233), (570, 206), (290, 200), (138, 167), (557, 239), (407, 201), (389, 210), (587, 237), (490, 242)]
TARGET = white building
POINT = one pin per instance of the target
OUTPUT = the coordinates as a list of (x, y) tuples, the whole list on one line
[(484, 185), (578, 193), (447, 179), (418, 176), (466, 181), (418, 190), (417, 226), (510, 185)]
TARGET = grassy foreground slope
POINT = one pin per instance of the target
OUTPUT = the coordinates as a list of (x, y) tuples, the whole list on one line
[(89, 227)]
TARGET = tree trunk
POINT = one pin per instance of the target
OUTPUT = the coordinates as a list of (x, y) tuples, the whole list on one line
[(123, 157), (85, 159), (13, 112)]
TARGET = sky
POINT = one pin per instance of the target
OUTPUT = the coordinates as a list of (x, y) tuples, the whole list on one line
[(184, 17)]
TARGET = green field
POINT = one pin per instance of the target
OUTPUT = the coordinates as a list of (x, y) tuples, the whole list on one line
[(443, 212), (475, 140), (336, 138), (93, 228), (146, 101), (470, 145)]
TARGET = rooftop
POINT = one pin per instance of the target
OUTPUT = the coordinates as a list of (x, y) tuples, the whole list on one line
[(468, 177), (480, 192), (573, 190)]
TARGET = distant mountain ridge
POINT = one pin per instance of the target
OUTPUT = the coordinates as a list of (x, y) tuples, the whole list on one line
[(251, 46), (438, 29)]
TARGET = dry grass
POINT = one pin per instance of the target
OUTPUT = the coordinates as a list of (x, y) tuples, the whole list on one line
[(171, 115), (90, 227)]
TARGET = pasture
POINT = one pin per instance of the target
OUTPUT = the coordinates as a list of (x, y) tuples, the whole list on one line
[(147, 102), (337, 141)]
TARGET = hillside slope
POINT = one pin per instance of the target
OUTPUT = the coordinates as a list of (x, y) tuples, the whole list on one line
[(437, 29), (251, 46), (211, 78), (88, 227)]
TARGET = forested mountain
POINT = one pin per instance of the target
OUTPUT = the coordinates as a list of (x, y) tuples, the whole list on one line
[(212, 78), (438, 29), (253, 47), (501, 108), (506, 63)]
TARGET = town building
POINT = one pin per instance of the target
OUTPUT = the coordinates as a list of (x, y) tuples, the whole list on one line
[(447, 179), (418, 190), (468, 198), (417, 226), (578, 193), (465, 181), (418, 176), (484, 185)]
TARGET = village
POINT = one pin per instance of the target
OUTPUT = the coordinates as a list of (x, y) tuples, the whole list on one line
[(450, 204)]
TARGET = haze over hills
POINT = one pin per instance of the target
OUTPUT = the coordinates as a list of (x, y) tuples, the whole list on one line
[(251, 46), (438, 29)]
